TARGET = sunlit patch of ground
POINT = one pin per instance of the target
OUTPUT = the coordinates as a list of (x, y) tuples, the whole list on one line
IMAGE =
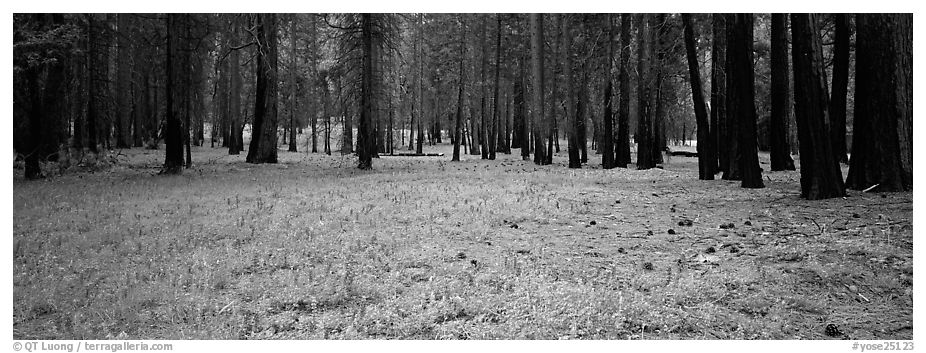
[(422, 248)]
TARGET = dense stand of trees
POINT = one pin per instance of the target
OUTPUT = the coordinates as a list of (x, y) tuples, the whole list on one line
[(630, 85)]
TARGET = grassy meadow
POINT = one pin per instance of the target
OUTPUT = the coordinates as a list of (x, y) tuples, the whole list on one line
[(422, 248)]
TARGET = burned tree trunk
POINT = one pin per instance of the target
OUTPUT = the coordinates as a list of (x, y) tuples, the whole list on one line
[(731, 131), (263, 148), (235, 143), (173, 132), (882, 143), (366, 146), (705, 148), (780, 153), (820, 174), (741, 95)]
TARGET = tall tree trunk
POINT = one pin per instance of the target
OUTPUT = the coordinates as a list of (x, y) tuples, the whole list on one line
[(419, 147), (220, 87), (107, 109), (458, 126), (173, 132), (314, 81), (607, 133), (741, 93), (705, 148), (155, 121), (79, 70), (516, 122), (54, 110), (199, 94), (840, 87), (187, 55), (646, 144), (365, 133), (123, 84), (537, 88), (374, 95), (483, 94), (523, 129), (582, 115), (437, 128), (622, 150), (882, 142), (780, 149), (821, 176), (235, 144), (347, 126), (571, 111), (733, 121), (660, 29), (222, 102), (413, 111), (411, 131), (582, 106), (33, 168), (434, 131), (325, 101), (94, 65), (468, 128), (390, 129), (263, 147), (292, 89), (140, 114), (719, 91), (471, 130), (659, 104), (497, 140), (508, 122), (411, 115), (551, 120)]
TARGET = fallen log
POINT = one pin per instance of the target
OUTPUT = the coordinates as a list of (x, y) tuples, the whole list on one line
[(413, 155), (683, 153)]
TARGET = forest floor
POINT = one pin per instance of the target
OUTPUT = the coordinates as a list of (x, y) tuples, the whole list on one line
[(423, 248)]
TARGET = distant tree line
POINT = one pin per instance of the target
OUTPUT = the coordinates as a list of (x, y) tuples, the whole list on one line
[(609, 84)]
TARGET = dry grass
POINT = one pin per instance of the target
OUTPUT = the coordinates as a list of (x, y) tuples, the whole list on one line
[(421, 248)]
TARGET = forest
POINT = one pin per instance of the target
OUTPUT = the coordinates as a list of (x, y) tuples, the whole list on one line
[(345, 175)]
